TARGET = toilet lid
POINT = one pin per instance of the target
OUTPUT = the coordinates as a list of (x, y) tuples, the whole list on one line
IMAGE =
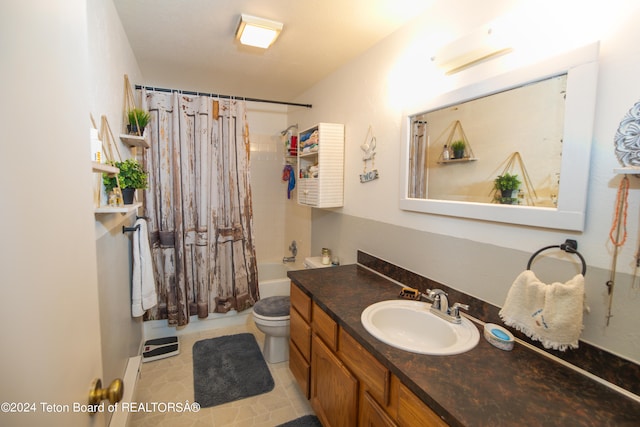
[(273, 306)]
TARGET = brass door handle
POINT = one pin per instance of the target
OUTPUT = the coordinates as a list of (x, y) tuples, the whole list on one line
[(113, 393)]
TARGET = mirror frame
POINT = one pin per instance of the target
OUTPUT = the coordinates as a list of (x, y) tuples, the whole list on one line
[(581, 68)]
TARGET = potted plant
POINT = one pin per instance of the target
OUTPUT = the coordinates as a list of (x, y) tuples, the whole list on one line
[(131, 177), (138, 119), (508, 186), (458, 149)]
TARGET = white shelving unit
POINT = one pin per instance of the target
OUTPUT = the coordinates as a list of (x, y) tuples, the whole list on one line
[(321, 169)]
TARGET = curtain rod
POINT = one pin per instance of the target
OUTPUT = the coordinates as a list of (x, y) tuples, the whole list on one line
[(188, 92)]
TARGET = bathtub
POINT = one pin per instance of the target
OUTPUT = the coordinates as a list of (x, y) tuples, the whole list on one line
[(273, 280)]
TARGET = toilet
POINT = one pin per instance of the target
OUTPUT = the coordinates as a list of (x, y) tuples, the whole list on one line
[(271, 316)]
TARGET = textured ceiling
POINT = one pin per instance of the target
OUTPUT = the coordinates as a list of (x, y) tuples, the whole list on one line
[(190, 44)]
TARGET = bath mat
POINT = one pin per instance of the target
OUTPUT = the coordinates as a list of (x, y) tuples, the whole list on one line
[(306, 421), (229, 368)]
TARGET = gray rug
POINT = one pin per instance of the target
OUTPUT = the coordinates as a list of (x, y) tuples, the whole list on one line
[(306, 421), (229, 368)]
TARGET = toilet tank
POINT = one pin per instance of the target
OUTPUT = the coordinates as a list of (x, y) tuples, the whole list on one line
[(314, 262)]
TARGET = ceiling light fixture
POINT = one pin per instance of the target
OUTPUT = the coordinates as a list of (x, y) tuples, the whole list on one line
[(257, 32), (472, 49)]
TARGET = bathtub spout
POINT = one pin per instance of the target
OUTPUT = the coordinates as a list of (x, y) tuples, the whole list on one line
[(289, 259)]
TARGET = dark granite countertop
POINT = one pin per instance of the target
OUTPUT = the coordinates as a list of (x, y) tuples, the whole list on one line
[(483, 387)]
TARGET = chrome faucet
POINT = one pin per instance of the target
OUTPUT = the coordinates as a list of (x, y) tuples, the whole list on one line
[(440, 306), (293, 247)]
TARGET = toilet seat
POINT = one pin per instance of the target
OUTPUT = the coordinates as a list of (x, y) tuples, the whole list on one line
[(271, 316), (272, 309)]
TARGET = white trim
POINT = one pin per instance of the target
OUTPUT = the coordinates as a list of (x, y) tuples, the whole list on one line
[(132, 373)]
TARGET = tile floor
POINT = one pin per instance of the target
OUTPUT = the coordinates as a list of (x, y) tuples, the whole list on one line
[(171, 380)]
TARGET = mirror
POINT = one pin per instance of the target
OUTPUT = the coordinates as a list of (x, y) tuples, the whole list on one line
[(535, 123)]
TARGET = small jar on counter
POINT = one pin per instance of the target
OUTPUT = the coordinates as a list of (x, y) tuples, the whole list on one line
[(326, 256)]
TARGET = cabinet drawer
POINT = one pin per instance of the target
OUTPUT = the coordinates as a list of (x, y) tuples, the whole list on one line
[(412, 412), (301, 302), (300, 334), (372, 415), (325, 327), (300, 369), (364, 366)]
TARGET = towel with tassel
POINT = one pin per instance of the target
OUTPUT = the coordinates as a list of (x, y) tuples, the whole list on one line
[(289, 175), (551, 314), (143, 293)]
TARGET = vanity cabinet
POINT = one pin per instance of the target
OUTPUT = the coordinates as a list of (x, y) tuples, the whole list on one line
[(321, 165), (334, 390), (300, 339), (346, 385)]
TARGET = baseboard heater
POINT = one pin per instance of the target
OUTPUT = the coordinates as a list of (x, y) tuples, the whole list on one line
[(160, 348)]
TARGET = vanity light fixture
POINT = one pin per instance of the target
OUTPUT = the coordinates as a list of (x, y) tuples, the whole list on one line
[(257, 32), (479, 46)]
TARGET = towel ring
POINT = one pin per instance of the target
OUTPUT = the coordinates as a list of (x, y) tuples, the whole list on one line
[(569, 246)]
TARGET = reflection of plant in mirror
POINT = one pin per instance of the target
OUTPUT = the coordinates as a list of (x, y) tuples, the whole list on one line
[(458, 149), (507, 185), (458, 145), (507, 182)]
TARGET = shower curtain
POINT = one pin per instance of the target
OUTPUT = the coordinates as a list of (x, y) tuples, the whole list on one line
[(198, 206)]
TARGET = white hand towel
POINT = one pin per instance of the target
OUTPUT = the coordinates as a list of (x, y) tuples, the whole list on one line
[(551, 314), (143, 294)]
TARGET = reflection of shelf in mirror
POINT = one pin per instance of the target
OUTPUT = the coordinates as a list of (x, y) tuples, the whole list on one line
[(308, 154), (468, 159), (135, 140), (121, 209), (628, 170), (104, 168)]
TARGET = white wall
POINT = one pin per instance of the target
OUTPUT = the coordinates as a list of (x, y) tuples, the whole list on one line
[(269, 192), (395, 76), (110, 58), (50, 341), (375, 90)]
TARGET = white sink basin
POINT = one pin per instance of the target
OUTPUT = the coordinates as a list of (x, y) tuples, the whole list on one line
[(408, 325)]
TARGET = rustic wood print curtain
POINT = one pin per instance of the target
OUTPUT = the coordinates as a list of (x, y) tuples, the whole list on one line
[(198, 206)]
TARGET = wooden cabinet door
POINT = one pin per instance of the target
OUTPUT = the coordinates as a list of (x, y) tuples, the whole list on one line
[(334, 391), (412, 412), (372, 415)]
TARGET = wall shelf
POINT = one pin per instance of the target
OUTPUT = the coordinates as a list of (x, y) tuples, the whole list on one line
[(468, 159), (104, 168), (628, 170), (135, 140), (121, 209)]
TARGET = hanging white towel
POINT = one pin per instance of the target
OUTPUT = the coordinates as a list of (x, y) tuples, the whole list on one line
[(143, 294), (551, 314)]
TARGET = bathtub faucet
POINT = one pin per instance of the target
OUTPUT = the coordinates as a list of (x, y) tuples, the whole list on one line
[(293, 248)]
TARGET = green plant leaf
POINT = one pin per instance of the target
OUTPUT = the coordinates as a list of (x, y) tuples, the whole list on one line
[(131, 176)]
